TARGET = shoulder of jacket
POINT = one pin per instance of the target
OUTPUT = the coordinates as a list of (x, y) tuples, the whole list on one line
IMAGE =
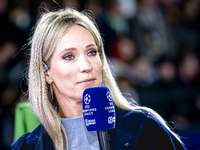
[(124, 114), (136, 118), (18, 144), (133, 115), (131, 121), (29, 138)]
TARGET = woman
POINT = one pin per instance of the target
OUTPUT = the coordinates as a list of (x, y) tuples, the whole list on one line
[(67, 57)]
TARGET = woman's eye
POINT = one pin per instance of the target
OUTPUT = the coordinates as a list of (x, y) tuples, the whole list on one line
[(69, 57), (92, 53)]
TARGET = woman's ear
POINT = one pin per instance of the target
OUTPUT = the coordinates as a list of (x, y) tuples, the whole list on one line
[(46, 71), (48, 78)]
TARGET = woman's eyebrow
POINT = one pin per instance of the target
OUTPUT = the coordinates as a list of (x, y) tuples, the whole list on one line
[(68, 49), (91, 45)]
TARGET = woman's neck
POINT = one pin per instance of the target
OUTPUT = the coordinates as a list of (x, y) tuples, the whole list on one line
[(70, 110)]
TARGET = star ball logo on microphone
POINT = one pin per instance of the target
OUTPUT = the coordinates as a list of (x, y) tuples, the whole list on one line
[(109, 97), (88, 110), (110, 108), (87, 99)]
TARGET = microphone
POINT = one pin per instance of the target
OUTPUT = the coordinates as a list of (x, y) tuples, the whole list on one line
[(99, 113)]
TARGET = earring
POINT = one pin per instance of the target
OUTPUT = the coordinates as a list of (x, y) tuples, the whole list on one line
[(50, 81), (51, 89)]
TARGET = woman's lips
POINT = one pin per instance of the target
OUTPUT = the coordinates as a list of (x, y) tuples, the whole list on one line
[(87, 81)]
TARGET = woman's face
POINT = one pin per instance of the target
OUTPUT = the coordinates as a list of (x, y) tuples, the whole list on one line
[(75, 65)]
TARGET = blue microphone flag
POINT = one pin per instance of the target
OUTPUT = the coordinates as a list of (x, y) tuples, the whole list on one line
[(98, 109)]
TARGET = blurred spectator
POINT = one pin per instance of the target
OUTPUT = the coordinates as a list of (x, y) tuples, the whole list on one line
[(3, 6), (112, 24), (123, 53), (124, 48), (188, 29), (144, 73), (7, 51), (170, 10), (96, 7), (20, 17), (167, 72), (150, 31), (114, 18), (127, 88), (189, 69), (128, 8)]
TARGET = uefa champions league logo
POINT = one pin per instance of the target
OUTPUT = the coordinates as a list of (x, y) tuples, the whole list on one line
[(109, 96), (87, 99)]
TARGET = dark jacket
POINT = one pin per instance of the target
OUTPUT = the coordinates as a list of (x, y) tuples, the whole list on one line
[(135, 130)]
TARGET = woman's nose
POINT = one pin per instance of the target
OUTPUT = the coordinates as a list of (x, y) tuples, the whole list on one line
[(85, 65)]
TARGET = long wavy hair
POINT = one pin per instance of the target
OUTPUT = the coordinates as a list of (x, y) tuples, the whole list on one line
[(47, 33)]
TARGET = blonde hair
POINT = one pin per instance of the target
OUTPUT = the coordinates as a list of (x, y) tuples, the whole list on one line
[(47, 33)]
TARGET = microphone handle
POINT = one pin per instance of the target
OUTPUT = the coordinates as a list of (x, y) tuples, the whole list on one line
[(103, 140)]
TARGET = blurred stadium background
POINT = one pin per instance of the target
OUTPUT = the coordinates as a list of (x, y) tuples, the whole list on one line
[(153, 45)]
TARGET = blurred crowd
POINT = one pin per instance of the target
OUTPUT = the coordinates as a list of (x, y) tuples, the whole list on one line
[(153, 46)]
